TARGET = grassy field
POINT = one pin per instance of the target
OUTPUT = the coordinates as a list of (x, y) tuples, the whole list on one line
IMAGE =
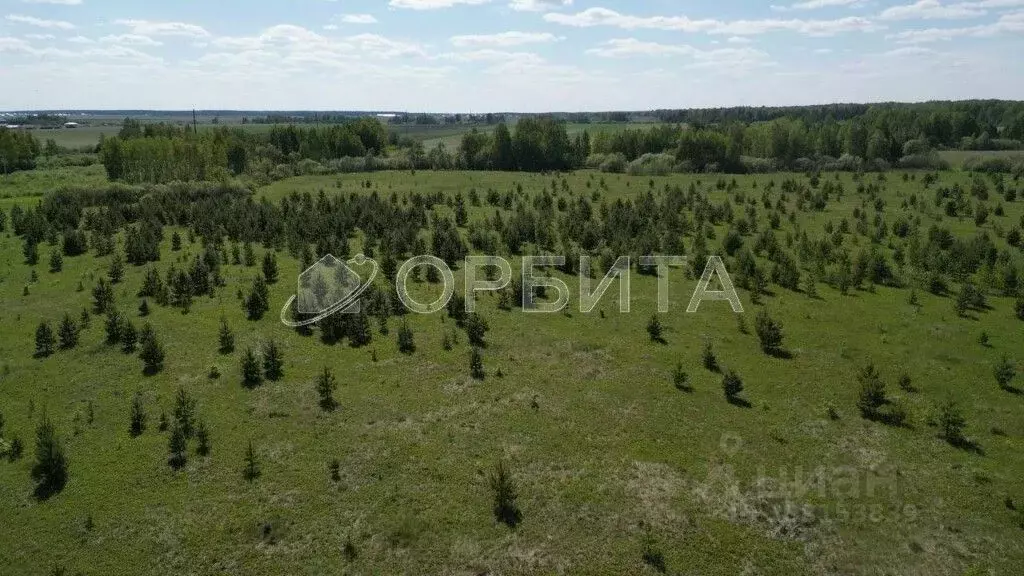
[(611, 460), (956, 158)]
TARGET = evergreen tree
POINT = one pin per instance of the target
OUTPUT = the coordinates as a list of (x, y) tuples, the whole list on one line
[(252, 375), (270, 267), (102, 297), (177, 447), (476, 330), (68, 333), (137, 419), (273, 362), (144, 308), (732, 385), (113, 326), (871, 397), (152, 352), (45, 340), (185, 412), (1019, 308), (116, 270), (50, 471), (257, 303), (681, 379), (249, 255), (31, 251), (252, 467), (359, 332), (769, 332), (202, 439), (1004, 372), (952, 424), (708, 357), (406, 344), (56, 261), (175, 241), (129, 337), (476, 364), (325, 386), (505, 494), (654, 329), (226, 337)]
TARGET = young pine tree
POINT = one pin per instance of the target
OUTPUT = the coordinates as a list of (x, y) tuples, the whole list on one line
[(654, 329), (45, 341), (325, 386), (732, 385), (137, 418), (406, 344), (273, 361), (129, 337), (50, 471), (113, 325), (226, 337), (203, 446), (177, 447), (102, 297), (152, 352), (68, 333), (56, 261), (252, 467), (769, 332), (952, 423), (476, 330), (185, 412), (1004, 372), (270, 267), (476, 364), (252, 375), (505, 495)]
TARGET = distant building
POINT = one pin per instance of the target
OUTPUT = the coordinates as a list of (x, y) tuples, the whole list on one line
[(71, 124)]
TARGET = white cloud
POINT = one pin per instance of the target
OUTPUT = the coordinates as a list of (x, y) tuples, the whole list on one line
[(151, 28), (1008, 23), (738, 40), (358, 19), (40, 36), (606, 17), (732, 58), (537, 5), (432, 4), (823, 51), (511, 38), (930, 10), (490, 55), (81, 40), (130, 39), (816, 4), (39, 22), (908, 51), (60, 2)]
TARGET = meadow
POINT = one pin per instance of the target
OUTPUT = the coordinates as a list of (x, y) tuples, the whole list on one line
[(619, 466)]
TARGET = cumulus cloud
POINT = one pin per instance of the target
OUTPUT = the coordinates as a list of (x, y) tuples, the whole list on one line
[(931, 10), (1006, 24), (39, 22), (537, 5), (817, 4), (433, 4), (605, 17), (60, 2), (511, 38), (152, 28), (358, 19)]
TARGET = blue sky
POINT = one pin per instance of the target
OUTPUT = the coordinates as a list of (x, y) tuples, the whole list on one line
[(504, 55)]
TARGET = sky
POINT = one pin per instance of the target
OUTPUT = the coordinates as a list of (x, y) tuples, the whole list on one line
[(503, 55)]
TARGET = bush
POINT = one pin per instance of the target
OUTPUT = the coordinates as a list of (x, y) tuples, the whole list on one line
[(1004, 372), (681, 379), (931, 161), (709, 359), (614, 163), (654, 329), (872, 392), (652, 165), (751, 165), (952, 423)]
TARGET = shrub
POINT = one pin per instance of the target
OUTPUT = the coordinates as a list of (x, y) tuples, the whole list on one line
[(177, 448), (614, 163), (708, 357), (504, 492)]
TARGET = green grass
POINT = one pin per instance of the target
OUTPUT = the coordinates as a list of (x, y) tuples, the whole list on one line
[(612, 449), (37, 182)]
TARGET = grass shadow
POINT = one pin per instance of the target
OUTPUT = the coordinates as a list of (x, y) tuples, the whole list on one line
[(740, 402)]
